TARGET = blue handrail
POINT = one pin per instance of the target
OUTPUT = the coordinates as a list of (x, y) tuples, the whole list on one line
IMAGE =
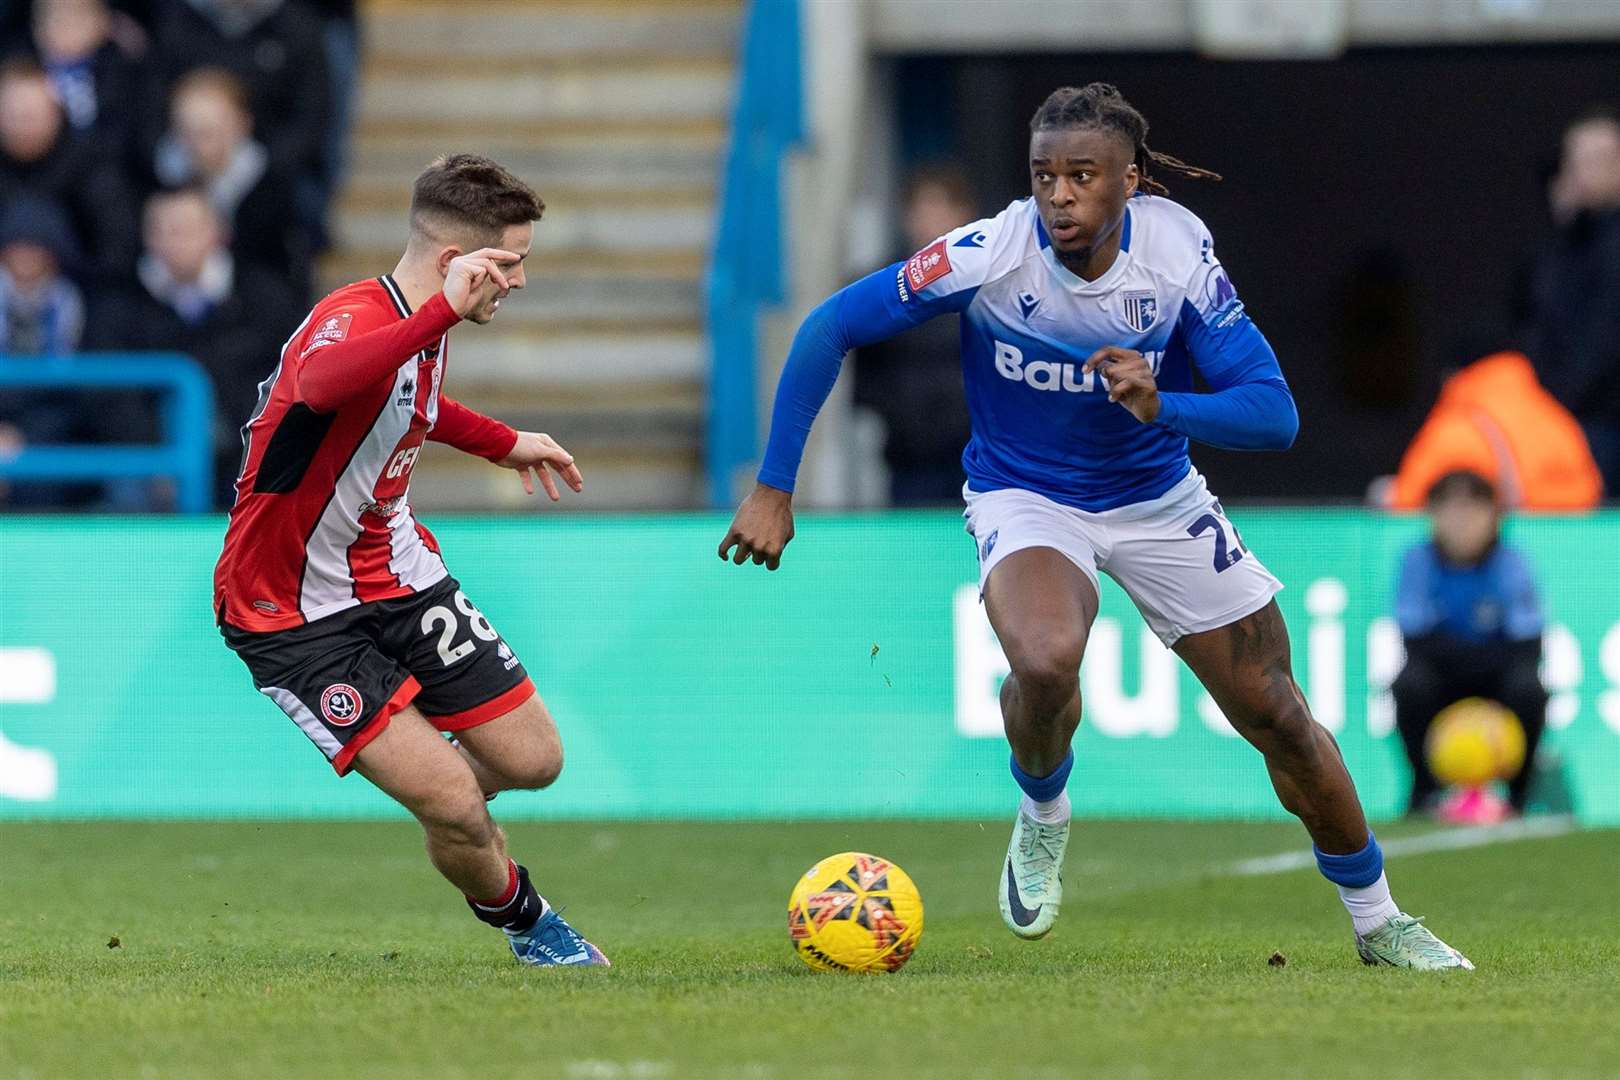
[(745, 271), (186, 452)]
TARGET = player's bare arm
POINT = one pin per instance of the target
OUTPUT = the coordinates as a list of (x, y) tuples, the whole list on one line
[(761, 529), (1129, 378)]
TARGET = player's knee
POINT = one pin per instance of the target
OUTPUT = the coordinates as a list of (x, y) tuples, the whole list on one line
[(462, 816), (539, 767), (1050, 671), (1287, 725), (541, 770)]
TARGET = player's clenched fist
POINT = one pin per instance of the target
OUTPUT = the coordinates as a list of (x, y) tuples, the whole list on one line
[(475, 283), (1129, 378), (762, 528), (538, 451)]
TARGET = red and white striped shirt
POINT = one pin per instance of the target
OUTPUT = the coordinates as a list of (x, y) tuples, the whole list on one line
[(322, 520)]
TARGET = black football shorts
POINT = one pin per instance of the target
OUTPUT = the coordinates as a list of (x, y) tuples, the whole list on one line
[(341, 678)]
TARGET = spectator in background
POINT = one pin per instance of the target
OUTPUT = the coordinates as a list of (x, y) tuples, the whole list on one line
[(1468, 613), (93, 78), (40, 156), (1574, 332), (41, 314), (194, 298), (41, 310), (210, 144), (914, 380), (1493, 418), (276, 48)]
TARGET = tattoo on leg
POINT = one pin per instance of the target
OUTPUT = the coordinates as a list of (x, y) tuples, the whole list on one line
[(1260, 642)]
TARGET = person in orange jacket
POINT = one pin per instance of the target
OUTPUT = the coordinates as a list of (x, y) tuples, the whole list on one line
[(1495, 418)]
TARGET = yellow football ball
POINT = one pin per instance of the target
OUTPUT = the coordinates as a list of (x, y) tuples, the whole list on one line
[(855, 912), (1473, 742)]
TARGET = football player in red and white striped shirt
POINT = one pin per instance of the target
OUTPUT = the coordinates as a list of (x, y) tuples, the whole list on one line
[(337, 598)]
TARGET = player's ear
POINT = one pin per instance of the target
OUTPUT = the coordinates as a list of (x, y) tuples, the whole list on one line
[(1133, 179), (446, 255)]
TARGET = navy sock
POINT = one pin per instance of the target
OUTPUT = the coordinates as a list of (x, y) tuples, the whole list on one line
[(515, 911), (1354, 871), (1044, 788)]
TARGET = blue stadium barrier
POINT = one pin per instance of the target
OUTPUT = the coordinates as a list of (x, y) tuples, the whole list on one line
[(186, 411), (746, 266)]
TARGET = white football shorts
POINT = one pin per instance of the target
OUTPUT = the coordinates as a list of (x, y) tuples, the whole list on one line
[(1178, 557)]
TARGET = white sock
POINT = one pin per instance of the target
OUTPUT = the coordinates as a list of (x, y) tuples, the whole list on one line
[(1370, 906), (1052, 812)]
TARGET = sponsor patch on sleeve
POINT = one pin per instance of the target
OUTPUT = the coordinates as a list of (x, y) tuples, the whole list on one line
[(928, 265), (330, 331)]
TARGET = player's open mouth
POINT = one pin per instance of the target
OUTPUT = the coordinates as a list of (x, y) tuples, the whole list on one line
[(1065, 230)]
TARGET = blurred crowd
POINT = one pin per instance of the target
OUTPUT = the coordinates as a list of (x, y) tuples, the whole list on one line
[(165, 172), (166, 168)]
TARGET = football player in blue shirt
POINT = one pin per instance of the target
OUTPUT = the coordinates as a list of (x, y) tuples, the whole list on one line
[(1084, 310)]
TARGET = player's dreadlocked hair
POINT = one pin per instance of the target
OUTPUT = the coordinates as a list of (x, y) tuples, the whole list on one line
[(1101, 105)]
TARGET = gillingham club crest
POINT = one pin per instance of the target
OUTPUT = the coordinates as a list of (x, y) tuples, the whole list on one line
[(1141, 309)]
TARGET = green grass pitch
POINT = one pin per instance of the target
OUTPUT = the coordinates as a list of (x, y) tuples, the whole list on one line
[(332, 950)]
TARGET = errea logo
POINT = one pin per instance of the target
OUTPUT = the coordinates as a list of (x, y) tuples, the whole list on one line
[(1049, 375)]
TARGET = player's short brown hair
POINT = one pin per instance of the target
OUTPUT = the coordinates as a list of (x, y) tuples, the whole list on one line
[(469, 191)]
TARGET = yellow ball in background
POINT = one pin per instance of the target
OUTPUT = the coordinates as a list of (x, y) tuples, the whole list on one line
[(855, 912), (1473, 742)]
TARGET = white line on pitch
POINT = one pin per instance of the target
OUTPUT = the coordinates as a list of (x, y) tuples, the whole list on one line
[(1532, 828)]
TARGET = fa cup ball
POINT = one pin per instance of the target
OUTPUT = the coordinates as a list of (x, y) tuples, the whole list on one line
[(855, 912)]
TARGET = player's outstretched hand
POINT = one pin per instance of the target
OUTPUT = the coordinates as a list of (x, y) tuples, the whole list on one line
[(762, 528), (1129, 378), (537, 451), (475, 278)]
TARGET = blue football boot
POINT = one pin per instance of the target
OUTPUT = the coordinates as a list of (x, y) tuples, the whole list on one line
[(551, 942)]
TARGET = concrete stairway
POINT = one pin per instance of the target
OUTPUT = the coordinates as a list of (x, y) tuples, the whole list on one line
[(617, 111)]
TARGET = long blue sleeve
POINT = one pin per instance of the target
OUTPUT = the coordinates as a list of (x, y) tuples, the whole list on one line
[(863, 313), (1251, 407)]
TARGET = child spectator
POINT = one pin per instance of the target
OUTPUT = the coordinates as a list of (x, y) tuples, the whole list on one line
[(1471, 622)]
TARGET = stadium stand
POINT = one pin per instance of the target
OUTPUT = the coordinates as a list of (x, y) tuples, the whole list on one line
[(618, 113)]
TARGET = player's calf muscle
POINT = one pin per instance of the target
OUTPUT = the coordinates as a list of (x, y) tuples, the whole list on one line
[(1246, 668)]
